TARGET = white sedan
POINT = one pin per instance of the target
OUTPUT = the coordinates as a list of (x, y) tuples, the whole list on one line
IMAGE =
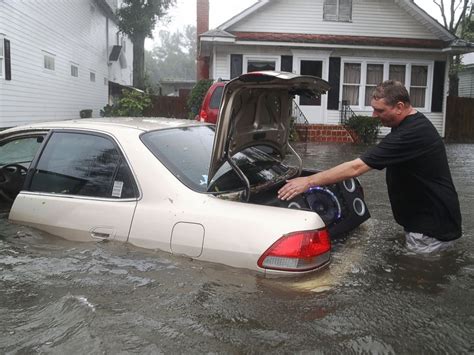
[(206, 192)]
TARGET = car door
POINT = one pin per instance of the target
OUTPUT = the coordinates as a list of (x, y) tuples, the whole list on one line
[(80, 187), (17, 151)]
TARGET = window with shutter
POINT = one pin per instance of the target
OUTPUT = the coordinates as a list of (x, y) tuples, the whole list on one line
[(337, 10)]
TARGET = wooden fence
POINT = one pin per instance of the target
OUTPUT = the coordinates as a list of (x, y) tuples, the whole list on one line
[(460, 119), (168, 106)]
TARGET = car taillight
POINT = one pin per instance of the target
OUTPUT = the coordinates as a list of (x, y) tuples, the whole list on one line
[(299, 251), (203, 116)]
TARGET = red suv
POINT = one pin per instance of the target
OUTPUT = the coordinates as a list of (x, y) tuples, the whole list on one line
[(210, 105)]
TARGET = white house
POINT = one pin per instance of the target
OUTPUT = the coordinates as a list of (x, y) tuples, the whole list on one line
[(353, 44), (59, 57), (466, 77)]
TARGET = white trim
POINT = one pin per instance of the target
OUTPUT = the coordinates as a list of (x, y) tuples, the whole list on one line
[(243, 14), (257, 57), (386, 63), (2, 56), (431, 24), (323, 56), (214, 60)]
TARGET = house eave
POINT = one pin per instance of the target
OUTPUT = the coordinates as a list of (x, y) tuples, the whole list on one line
[(336, 46), (344, 40), (106, 9), (240, 16), (425, 19)]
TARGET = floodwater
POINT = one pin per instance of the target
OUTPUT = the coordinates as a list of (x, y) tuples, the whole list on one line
[(61, 297)]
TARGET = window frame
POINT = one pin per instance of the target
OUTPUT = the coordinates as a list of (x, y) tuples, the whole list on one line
[(49, 55), (25, 135), (338, 13), (386, 63), (74, 65), (267, 58), (117, 146)]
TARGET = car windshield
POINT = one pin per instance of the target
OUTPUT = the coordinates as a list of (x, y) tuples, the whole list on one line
[(186, 152)]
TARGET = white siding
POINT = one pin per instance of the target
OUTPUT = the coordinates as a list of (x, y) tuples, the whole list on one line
[(222, 70), (75, 33), (466, 83), (379, 18)]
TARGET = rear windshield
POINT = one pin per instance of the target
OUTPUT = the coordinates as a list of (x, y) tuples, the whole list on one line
[(186, 152), (216, 97)]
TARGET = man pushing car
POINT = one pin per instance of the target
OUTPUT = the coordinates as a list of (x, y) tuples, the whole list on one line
[(421, 191)]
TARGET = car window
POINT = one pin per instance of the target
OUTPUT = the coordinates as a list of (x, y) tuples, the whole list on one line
[(19, 150), (186, 152), (216, 97), (83, 164)]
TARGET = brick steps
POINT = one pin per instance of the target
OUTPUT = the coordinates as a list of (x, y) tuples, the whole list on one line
[(323, 133)]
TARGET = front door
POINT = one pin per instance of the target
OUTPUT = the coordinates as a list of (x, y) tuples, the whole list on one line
[(313, 108), (81, 188)]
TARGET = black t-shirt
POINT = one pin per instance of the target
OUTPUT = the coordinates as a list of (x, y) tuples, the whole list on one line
[(420, 187)]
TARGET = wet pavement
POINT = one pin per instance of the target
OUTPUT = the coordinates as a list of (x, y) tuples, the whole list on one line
[(58, 296)]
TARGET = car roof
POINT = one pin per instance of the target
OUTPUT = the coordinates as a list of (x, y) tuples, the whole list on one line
[(109, 124)]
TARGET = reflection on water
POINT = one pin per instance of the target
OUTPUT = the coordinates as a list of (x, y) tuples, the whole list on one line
[(64, 297)]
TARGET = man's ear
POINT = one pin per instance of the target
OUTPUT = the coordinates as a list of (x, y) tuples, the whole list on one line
[(400, 106)]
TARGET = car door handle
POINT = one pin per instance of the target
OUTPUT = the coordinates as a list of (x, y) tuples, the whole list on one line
[(102, 233)]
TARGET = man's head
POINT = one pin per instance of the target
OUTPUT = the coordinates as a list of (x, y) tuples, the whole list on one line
[(391, 103)]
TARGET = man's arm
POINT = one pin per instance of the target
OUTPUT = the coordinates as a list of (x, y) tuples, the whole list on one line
[(340, 172)]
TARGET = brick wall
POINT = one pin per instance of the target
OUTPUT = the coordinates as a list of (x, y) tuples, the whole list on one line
[(323, 133)]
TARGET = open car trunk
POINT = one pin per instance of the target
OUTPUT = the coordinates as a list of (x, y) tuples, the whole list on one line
[(341, 206), (256, 112)]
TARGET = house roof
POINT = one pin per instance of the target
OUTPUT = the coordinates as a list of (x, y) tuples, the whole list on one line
[(446, 40), (338, 39)]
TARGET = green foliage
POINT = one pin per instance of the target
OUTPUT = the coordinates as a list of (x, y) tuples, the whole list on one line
[(196, 96), (137, 18), (365, 127), (132, 104), (174, 58)]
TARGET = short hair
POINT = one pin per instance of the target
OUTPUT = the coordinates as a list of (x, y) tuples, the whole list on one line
[(391, 91)]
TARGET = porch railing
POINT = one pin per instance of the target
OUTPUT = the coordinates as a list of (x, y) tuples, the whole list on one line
[(298, 115), (346, 112)]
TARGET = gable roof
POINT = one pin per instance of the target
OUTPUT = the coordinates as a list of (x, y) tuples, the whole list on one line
[(445, 40)]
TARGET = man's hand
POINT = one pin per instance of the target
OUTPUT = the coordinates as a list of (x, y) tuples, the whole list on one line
[(293, 188)]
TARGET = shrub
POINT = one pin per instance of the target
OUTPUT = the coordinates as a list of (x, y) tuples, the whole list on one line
[(365, 127), (132, 104), (196, 96)]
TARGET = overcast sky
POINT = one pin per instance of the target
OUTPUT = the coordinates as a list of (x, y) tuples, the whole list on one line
[(184, 13)]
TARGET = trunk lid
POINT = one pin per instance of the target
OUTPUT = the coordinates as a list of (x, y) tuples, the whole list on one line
[(256, 111)]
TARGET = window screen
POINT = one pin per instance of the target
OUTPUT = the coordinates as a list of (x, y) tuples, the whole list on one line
[(83, 164)]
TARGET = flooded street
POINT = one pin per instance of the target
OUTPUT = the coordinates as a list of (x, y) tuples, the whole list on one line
[(60, 297)]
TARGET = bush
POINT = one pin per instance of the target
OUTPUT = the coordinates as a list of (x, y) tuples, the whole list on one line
[(132, 104), (196, 96), (365, 127)]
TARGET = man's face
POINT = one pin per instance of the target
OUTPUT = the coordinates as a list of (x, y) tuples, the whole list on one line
[(387, 114)]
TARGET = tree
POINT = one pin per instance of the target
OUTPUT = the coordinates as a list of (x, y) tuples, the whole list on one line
[(456, 16), (137, 19), (174, 58)]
